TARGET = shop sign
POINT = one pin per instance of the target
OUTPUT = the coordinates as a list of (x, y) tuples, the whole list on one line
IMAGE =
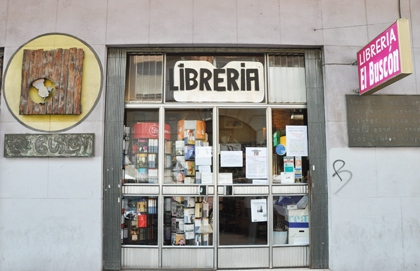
[(49, 145), (200, 81), (386, 59)]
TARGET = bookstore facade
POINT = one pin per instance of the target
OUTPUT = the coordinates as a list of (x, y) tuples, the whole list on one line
[(211, 158)]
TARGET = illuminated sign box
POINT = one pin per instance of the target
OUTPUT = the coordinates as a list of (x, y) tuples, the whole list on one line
[(386, 59)]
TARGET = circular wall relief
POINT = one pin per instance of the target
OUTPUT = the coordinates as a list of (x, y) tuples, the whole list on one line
[(43, 71)]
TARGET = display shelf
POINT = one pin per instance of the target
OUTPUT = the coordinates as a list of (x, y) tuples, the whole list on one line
[(187, 221), (139, 220)]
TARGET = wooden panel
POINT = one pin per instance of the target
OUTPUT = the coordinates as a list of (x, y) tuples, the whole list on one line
[(64, 68)]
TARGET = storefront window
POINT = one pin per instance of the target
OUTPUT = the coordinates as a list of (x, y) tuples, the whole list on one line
[(291, 220), (290, 158), (144, 79), (188, 221), (243, 220), (243, 148), (230, 170), (290, 167), (142, 146), (190, 140), (139, 220), (287, 79)]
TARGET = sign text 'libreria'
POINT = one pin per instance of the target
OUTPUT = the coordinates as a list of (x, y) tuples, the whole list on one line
[(198, 81)]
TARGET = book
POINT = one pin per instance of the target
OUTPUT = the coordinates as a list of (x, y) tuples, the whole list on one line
[(142, 160), (151, 158), (198, 209), (189, 215), (141, 145), (142, 206), (142, 175), (179, 147), (189, 152), (142, 220), (189, 168), (205, 212), (197, 225)]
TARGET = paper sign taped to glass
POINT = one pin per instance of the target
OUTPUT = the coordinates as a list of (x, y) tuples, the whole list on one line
[(258, 210)]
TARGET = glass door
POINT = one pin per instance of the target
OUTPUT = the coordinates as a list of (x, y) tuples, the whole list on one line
[(243, 188)]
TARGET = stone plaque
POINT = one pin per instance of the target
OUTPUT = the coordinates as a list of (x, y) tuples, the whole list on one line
[(383, 120), (49, 145)]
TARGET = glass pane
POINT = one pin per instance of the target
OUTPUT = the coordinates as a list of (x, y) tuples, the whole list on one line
[(188, 221), (142, 146), (291, 220), (288, 169), (139, 220), (144, 79), (190, 139), (236, 216), (208, 75), (243, 149), (287, 79)]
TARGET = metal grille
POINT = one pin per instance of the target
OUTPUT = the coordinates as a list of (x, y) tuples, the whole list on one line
[(145, 79), (287, 79)]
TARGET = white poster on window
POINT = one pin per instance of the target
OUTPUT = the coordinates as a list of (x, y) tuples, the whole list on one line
[(231, 159), (258, 210), (296, 140), (256, 163), (203, 156)]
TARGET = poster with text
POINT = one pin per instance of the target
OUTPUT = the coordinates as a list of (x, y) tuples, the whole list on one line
[(258, 210), (256, 163), (297, 140)]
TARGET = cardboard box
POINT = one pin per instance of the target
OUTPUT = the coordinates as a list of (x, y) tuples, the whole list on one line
[(190, 130), (297, 216), (298, 236)]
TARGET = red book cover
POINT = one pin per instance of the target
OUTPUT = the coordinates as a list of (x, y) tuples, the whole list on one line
[(142, 220)]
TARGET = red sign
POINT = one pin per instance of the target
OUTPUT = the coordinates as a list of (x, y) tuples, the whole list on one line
[(149, 130), (386, 59)]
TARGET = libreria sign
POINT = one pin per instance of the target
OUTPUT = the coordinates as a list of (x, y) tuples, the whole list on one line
[(200, 81), (385, 59)]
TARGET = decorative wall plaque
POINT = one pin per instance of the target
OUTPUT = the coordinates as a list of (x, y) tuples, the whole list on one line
[(49, 145), (51, 82)]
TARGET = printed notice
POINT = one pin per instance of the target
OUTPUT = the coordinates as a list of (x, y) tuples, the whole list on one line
[(258, 210), (203, 156), (225, 178), (256, 163), (296, 140), (206, 178), (231, 159)]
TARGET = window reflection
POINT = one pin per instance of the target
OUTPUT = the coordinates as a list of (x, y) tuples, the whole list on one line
[(242, 135), (235, 221)]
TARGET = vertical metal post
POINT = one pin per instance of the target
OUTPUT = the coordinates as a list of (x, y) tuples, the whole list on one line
[(113, 154), (318, 185)]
